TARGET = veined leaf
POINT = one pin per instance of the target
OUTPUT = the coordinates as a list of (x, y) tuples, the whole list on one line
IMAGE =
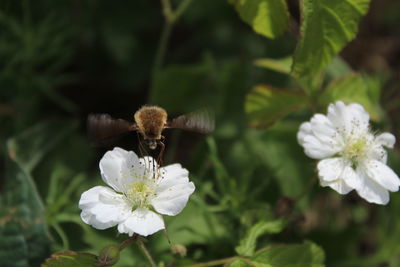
[(304, 255), (327, 26), (247, 245), (265, 105), (267, 17)]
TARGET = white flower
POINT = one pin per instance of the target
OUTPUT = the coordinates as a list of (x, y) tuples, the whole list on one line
[(139, 193), (352, 157)]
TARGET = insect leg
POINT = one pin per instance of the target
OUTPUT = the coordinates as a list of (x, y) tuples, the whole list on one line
[(162, 148)]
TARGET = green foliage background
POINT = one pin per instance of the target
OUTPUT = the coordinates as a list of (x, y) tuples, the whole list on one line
[(263, 66)]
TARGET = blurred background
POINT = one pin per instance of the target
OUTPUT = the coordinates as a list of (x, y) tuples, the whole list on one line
[(61, 60)]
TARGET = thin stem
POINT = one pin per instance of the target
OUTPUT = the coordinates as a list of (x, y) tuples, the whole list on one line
[(213, 263), (171, 17), (62, 235), (128, 242), (182, 8), (162, 47), (146, 253)]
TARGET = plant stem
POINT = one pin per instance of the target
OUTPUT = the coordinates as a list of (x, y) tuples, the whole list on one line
[(162, 47), (171, 17), (146, 253), (182, 8), (128, 241), (213, 263)]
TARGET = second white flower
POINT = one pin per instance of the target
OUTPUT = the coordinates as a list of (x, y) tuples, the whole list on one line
[(351, 157)]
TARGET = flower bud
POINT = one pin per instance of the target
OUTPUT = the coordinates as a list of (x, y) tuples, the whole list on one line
[(109, 255), (179, 249)]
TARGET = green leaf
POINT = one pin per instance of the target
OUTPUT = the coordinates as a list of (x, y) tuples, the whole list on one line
[(280, 65), (327, 26), (354, 88), (267, 17), (238, 262), (247, 245), (265, 105), (304, 255), (71, 259)]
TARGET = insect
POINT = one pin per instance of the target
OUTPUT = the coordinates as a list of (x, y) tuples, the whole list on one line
[(150, 121)]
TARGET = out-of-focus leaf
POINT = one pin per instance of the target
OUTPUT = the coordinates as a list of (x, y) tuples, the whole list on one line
[(304, 255), (181, 86), (267, 17), (278, 149), (265, 105), (195, 225), (24, 237), (280, 65), (29, 147), (326, 27), (337, 68), (238, 262), (247, 245), (353, 88), (71, 259)]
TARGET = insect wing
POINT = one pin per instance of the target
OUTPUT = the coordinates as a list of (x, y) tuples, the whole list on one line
[(201, 121), (103, 129)]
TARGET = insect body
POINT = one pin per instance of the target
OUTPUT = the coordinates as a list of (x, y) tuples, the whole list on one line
[(150, 121)]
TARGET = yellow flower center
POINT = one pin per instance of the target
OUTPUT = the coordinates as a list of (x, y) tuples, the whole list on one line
[(355, 150), (139, 194)]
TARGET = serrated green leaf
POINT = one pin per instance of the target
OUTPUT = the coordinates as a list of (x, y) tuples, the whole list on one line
[(327, 26), (265, 105), (353, 88), (280, 65), (303, 255), (71, 259), (247, 245), (267, 17)]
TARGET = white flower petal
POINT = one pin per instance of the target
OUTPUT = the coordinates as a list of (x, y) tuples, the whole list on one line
[(373, 192), (338, 185), (378, 153), (172, 200), (382, 174), (316, 149), (348, 119), (304, 130), (318, 138), (143, 222), (386, 139), (323, 129), (102, 207), (173, 190), (171, 175), (119, 168), (332, 169)]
